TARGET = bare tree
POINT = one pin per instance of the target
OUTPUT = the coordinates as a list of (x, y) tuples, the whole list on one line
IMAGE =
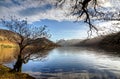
[(25, 33), (90, 10), (80, 8)]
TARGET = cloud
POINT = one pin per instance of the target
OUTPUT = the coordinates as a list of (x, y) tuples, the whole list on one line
[(35, 10)]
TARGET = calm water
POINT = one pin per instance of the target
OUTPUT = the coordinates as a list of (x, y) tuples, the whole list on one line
[(73, 63)]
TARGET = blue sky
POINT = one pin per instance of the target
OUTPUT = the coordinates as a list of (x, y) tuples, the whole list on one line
[(64, 29), (44, 12)]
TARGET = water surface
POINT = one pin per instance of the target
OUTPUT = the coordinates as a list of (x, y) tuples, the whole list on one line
[(74, 63)]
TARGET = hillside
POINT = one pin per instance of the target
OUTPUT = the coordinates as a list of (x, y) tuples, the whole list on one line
[(43, 43), (93, 42), (71, 42), (8, 38), (111, 42), (78, 42)]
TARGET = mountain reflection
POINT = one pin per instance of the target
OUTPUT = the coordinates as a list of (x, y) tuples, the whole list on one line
[(71, 63), (7, 54), (10, 54)]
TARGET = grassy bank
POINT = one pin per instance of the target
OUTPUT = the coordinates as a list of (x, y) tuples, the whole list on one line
[(6, 74)]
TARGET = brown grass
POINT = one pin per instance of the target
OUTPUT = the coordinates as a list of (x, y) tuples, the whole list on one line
[(6, 74)]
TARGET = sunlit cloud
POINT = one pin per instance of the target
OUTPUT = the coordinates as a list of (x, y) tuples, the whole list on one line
[(35, 10)]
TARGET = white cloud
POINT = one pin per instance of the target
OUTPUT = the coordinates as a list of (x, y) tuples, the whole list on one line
[(30, 5), (34, 9)]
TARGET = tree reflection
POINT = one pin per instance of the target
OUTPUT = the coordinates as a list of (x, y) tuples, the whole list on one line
[(30, 55), (10, 54), (24, 35)]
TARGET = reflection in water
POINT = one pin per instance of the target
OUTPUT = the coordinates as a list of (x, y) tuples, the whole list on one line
[(23, 58), (73, 63), (7, 54)]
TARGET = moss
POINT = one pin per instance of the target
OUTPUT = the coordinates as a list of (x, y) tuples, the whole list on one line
[(6, 74)]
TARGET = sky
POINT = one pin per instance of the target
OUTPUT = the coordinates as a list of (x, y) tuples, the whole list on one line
[(64, 29), (43, 12)]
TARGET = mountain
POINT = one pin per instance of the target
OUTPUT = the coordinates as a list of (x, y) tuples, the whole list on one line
[(43, 43), (10, 38), (93, 42), (111, 42), (79, 42), (71, 42)]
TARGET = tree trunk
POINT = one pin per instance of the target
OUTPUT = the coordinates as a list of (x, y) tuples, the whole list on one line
[(18, 65), (20, 59)]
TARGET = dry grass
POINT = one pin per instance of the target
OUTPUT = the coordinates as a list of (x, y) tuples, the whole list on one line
[(6, 74)]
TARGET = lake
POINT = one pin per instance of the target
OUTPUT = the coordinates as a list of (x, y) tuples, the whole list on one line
[(71, 63)]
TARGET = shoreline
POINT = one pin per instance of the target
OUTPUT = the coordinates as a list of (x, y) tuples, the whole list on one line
[(6, 74)]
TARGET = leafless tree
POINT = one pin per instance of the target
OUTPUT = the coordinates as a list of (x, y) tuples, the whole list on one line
[(25, 33), (88, 11)]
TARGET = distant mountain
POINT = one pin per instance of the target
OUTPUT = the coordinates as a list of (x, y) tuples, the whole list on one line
[(43, 43), (111, 42), (79, 42), (93, 42), (71, 42)]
